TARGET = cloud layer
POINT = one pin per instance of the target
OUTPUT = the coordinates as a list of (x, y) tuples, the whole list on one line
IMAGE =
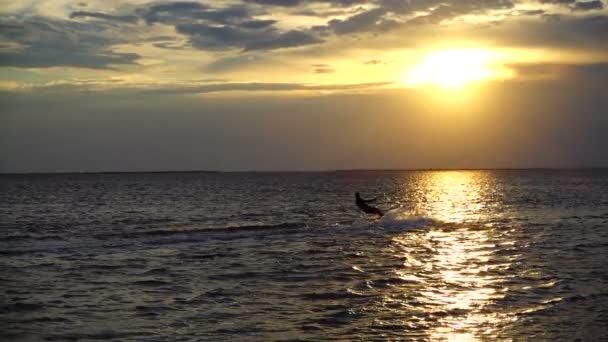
[(87, 36)]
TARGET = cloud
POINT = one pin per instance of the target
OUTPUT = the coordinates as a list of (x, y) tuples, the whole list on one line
[(46, 58), (577, 5), (192, 88), (204, 36), (564, 71), (169, 11), (445, 10), (374, 20), (257, 24), (586, 32), (45, 42), (557, 2), (295, 3), (284, 3), (587, 5), (120, 18), (191, 12), (260, 86)]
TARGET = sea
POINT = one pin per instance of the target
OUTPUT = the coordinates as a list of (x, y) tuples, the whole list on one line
[(471, 255)]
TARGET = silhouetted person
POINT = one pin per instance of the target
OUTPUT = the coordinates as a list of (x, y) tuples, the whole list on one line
[(363, 205)]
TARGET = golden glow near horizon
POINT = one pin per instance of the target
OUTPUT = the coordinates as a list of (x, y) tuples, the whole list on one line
[(452, 68)]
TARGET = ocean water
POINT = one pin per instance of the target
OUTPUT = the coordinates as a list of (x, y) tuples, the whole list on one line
[(460, 256)]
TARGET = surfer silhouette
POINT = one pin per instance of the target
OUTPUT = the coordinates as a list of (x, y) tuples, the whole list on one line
[(365, 207)]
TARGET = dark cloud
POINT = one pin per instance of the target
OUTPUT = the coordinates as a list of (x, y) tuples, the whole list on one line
[(257, 24), (120, 18), (445, 10), (203, 36), (587, 5), (46, 58), (226, 28), (590, 72), (294, 3), (168, 12), (588, 32), (370, 21), (284, 3), (532, 12), (191, 12), (48, 43), (557, 2), (577, 5), (392, 14)]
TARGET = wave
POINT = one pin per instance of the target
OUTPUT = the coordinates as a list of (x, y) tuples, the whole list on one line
[(229, 229), (406, 219)]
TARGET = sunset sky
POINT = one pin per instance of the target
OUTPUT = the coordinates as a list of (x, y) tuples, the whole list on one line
[(302, 84)]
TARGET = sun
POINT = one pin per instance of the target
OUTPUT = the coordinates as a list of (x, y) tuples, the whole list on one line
[(451, 68)]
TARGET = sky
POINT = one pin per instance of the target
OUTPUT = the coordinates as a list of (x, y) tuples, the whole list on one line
[(242, 85)]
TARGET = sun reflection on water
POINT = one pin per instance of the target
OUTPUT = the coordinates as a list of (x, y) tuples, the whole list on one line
[(456, 196), (456, 261)]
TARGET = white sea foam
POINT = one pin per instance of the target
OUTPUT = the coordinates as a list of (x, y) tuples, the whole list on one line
[(406, 219)]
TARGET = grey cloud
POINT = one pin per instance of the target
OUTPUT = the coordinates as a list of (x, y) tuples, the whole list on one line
[(370, 21), (577, 5), (214, 88), (532, 12), (592, 71), (45, 58), (283, 3), (294, 3), (257, 86), (257, 24), (239, 29), (221, 37), (580, 32), (163, 12), (216, 37), (190, 12), (391, 14), (49, 42), (120, 18), (587, 5), (557, 2), (446, 10)]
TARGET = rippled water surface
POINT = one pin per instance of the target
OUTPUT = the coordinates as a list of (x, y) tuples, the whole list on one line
[(460, 256)]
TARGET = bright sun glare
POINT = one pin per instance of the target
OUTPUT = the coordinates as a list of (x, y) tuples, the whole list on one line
[(450, 69)]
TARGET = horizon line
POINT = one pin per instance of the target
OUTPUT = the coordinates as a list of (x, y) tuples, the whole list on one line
[(309, 171)]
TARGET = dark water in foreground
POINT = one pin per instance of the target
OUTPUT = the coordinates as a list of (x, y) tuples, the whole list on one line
[(471, 255)]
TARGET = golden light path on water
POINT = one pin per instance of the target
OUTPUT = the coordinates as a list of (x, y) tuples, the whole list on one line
[(461, 276)]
